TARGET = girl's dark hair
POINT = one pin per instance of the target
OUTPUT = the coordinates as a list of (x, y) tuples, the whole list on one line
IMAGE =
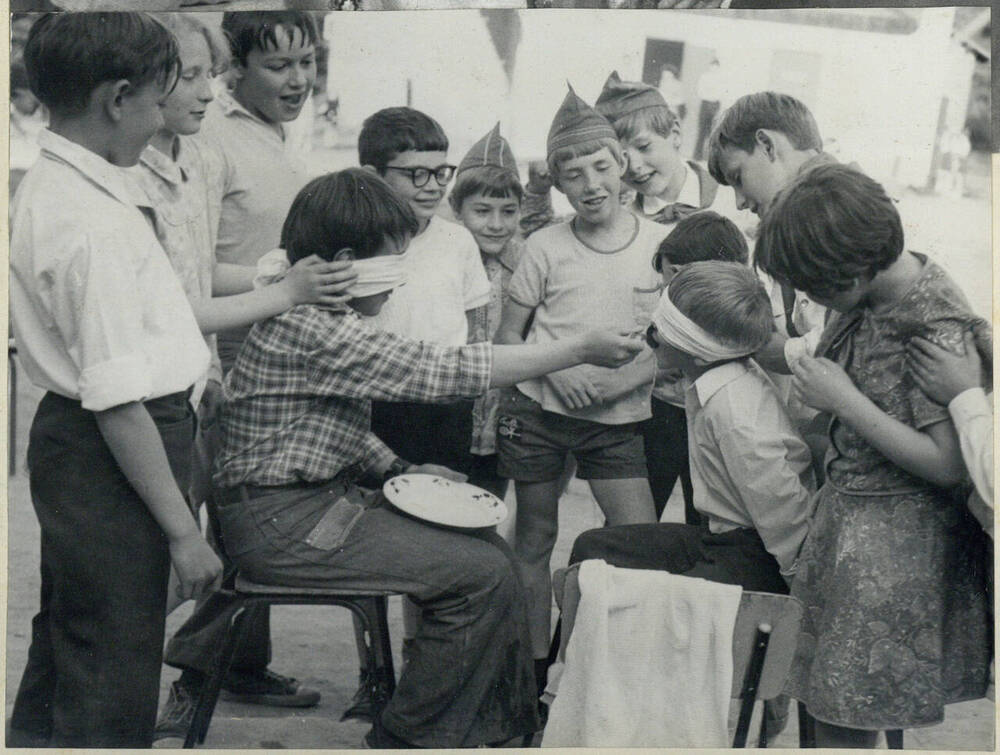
[(68, 55), (705, 235), (351, 209), (488, 180), (393, 130), (828, 228), (257, 30)]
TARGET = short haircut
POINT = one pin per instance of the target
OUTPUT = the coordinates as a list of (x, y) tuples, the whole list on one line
[(351, 209), (191, 23), (393, 130), (705, 235), (829, 227), (660, 120), (767, 110), (488, 180), (257, 30), (68, 55), (727, 300), (589, 147)]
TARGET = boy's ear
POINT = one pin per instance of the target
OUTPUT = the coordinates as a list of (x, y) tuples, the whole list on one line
[(344, 254), (110, 95), (765, 141)]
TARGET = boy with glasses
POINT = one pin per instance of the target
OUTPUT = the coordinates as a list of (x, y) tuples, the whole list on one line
[(445, 281)]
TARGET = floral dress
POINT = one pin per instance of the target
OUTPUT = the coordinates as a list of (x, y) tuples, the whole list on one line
[(893, 571)]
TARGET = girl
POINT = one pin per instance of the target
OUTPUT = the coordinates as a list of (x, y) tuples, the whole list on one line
[(892, 573)]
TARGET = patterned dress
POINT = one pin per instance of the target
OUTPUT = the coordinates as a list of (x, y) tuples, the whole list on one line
[(892, 574)]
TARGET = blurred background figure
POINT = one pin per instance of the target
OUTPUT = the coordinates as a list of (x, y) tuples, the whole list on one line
[(711, 86), (672, 90), (955, 148)]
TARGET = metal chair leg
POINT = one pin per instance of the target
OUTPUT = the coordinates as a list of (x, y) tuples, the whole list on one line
[(212, 686), (807, 728), (751, 683)]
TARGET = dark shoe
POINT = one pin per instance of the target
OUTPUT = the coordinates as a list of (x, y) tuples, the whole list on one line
[(388, 741), (361, 703), (178, 712), (268, 688)]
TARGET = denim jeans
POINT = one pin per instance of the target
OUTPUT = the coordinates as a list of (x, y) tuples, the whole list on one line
[(469, 679), (93, 672)]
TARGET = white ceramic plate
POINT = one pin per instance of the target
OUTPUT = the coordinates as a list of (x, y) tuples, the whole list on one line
[(453, 504)]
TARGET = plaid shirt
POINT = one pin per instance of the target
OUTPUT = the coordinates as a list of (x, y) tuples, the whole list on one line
[(298, 400)]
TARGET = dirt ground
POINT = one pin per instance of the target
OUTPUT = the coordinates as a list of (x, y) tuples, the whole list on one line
[(316, 644)]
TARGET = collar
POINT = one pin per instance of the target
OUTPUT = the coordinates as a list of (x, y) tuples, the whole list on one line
[(232, 108), (114, 180), (712, 381), (511, 253), (690, 194), (162, 165), (823, 158)]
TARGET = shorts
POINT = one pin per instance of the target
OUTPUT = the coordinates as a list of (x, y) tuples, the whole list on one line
[(532, 444)]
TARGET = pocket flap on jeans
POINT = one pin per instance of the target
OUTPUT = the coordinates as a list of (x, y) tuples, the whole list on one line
[(335, 525)]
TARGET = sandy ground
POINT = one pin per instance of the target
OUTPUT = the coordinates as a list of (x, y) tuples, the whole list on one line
[(316, 644)]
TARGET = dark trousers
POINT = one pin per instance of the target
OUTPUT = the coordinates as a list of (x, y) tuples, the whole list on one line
[(665, 438), (426, 433), (737, 557), (93, 672)]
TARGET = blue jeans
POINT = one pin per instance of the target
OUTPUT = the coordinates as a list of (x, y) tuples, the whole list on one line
[(469, 679)]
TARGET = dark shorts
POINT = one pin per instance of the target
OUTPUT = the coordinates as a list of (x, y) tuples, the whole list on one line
[(532, 444)]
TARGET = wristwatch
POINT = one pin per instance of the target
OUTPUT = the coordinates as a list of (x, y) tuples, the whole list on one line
[(397, 467)]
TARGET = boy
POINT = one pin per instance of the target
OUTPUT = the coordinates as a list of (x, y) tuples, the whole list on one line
[(103, 325), (445, 286), (487, 200), (469, 680), (253, 180), (591, 270), (763, 141), (752, 473)]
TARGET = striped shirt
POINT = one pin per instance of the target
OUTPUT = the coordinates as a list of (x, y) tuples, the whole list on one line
[(298, 400)]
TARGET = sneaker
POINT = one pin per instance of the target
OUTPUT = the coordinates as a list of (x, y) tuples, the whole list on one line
[(361, 704), (268, 688), (178, 712)]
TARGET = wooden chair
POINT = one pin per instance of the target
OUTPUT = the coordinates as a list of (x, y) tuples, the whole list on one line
[(249, 598), (764, 640)]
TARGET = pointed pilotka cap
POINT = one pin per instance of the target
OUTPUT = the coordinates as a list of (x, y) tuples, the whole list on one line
[(491, 150), (620, 98), (577, 122)]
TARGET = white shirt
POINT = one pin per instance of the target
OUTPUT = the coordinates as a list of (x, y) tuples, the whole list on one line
[(98, 312), (972, 413), (444, 279), (749, 467)]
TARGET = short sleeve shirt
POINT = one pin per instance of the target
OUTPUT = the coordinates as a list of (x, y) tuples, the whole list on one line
[(98, 313), (444, 279), (573, 288)]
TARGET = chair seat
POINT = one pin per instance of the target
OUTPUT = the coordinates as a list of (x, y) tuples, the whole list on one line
[(247, 587)]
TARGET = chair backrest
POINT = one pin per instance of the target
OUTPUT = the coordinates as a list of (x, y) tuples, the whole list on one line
[(782, 613)]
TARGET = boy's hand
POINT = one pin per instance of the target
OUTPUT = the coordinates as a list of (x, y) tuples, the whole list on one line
[(574, 388), (609, 348), (314, 281), (941, 374), (198, 568), (539, 179), (438, 470), (821, 383)]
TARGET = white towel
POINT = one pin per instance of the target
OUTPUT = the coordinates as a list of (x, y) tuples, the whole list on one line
[(649, 662)]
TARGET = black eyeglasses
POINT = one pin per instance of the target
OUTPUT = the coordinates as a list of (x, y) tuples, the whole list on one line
[(420, 176), (651, 337)]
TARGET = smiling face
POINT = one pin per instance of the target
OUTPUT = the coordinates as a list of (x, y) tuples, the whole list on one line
[(592, 184), (653, 161), (185, 106), (755, 177), (491, 220), (423, 200), (275, 82)]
